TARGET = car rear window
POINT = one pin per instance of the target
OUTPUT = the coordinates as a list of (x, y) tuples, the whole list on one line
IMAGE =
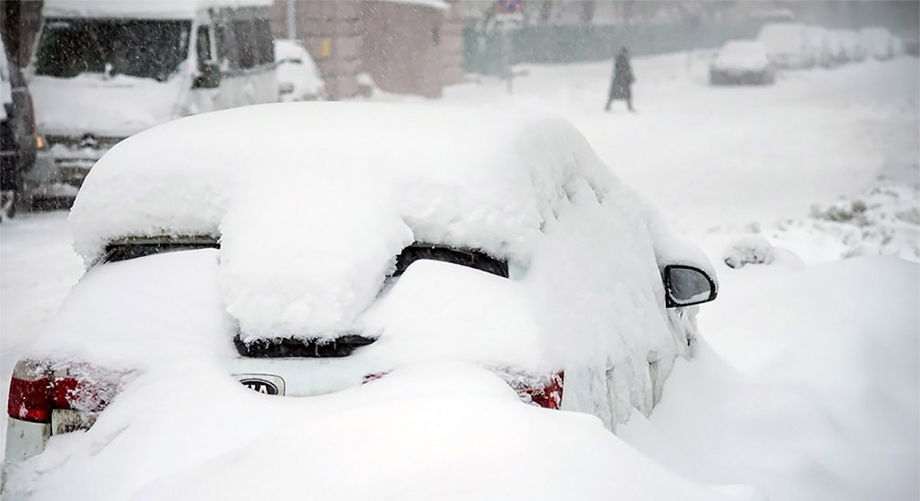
[(124, 250), (470, 258)]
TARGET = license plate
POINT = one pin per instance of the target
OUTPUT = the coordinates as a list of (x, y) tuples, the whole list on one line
[(68, 420)]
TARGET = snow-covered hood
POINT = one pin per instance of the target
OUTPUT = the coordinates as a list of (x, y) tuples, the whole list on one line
[(116, 107)]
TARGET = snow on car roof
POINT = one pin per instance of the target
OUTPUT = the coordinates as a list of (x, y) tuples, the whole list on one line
[(313, 201), (473, 178), (159, 9)]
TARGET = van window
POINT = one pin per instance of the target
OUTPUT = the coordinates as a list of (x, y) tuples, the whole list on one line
[(204, 45), (243, 32), (265, 42), (138, 48), (226, 49)]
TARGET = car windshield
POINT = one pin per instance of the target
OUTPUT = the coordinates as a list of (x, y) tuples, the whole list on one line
[(138, 48)]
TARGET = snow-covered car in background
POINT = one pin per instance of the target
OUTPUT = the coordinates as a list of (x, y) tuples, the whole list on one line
[(238, 260), (878, 42), (104, 70), (836, 45), (299, 78), (787, 45), (851, 45), (910, 40), (819, 42), (742, 62)]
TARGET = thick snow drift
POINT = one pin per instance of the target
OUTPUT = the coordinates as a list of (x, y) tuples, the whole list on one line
[(827, 402), (426, 432)]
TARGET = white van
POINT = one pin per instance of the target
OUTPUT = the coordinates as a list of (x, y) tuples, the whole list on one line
[(787, 45), (106, 69)]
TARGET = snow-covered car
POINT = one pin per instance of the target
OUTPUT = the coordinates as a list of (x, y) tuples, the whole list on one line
[(306, 249), (836, 47), (878, 42), (851, 45), (299, 78), (787, 45), (742, 62), (910, 40), (820, 43)]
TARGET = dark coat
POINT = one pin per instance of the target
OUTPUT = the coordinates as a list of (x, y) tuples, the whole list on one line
[(622, 78)]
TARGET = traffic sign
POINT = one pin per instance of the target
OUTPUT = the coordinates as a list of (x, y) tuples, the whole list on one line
[(509, 6)]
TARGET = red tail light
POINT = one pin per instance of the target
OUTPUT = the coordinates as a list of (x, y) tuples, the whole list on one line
[(35, 391), (30, 392), (548, 396), (89, 395)]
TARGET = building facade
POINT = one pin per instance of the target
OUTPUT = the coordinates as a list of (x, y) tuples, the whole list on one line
[(404, 46)]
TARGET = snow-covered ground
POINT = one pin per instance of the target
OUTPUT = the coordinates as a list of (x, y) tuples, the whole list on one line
[(807, 385)]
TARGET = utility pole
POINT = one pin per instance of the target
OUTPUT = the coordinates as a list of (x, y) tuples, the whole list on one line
[(291, 26)]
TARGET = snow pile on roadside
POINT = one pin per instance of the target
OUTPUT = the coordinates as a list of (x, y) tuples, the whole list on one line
[(884, 221), (426, 432), (827, 402), (749, 249)]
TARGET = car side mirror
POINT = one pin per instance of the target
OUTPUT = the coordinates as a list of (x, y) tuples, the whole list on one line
[(687, 285), (209, 76)]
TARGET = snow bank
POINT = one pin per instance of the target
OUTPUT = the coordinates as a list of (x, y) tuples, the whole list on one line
[(749, 249), (426, 432), (828, 401)]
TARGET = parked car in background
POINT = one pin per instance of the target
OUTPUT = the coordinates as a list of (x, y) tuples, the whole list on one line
[(851, 45), (787, 45), (234, 256), (911, 42), (299, 78), (742, 62), (26, 161), (820, 44), (103, 71), (836, 45), (878, 42)]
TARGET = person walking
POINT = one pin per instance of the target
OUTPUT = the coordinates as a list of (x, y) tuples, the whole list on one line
[(623, 78)]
